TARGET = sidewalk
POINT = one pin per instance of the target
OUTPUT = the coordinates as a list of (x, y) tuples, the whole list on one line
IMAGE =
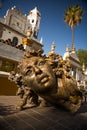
[(39, 118)]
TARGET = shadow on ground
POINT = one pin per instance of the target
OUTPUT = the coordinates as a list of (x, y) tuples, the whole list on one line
[(11, 109), (83, 108), (7, 110)]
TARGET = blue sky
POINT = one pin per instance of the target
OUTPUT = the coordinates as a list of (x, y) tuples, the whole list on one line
[(52, 26)]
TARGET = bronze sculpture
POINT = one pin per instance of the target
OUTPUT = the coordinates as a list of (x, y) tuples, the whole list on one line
[(48, 77)]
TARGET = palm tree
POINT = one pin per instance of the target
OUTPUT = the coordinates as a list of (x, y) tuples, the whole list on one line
[(73, 17)]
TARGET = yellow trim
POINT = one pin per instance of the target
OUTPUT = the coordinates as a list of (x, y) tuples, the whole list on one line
[(26, 41)]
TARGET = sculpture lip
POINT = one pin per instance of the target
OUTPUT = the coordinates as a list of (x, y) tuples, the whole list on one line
[(43, 78)]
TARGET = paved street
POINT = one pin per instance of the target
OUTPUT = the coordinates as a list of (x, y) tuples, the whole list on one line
[(39, 118)]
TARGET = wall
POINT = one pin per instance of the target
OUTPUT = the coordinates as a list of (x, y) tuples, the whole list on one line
[(7, 87)]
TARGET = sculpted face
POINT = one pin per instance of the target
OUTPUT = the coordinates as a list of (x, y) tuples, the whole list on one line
[(54, 85), (38, 75)]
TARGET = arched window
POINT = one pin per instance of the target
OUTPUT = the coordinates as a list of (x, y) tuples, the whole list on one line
[(33, 21), (15, 41), (10, 19)]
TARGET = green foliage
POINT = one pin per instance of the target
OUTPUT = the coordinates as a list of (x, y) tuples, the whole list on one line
[(82, 54), (73, 15)]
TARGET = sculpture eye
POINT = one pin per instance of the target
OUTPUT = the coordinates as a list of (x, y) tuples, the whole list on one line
[(29, 71), (41, 63)]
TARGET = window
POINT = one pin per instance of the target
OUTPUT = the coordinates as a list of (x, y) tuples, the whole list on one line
[(15, 41), (37, 23), (6, 67), (17, 24), (33, 21), (10, 19)]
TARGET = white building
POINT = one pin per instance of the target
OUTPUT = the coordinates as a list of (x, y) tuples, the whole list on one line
[(85, 76), (72, 57), (14, 26), (34, 20)]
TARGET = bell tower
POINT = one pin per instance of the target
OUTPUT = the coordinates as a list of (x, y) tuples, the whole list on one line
[(34, 20)]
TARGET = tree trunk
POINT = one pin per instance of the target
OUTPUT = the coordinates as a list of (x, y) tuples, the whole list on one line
[(72, 35)]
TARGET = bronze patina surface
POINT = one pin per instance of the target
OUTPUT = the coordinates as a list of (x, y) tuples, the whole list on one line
[(47, 77)]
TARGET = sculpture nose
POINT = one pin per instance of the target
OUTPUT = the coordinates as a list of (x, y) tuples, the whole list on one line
[(37, 70)]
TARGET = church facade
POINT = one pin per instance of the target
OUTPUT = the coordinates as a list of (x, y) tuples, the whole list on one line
[(13, 31), (14, 25)]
